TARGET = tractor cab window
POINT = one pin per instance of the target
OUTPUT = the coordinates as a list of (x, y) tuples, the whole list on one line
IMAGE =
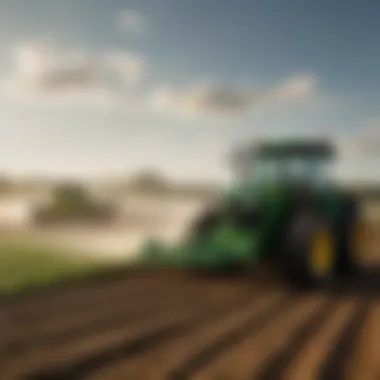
[(254, 170), (261, 171), (268, 171), (265, 171), (307, 170)]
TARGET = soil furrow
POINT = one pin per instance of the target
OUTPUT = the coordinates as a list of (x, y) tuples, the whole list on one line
[(177, 327), (90, 323), (249, 327), (69, 297), (275, 364), (49, 326), (365, 362), (237, 361), (163, 358), (306, 365), (85, 357), (15, 332), (88, 298), (336, 364)]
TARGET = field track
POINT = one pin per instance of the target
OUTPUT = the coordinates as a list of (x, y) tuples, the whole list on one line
[(176, 327)]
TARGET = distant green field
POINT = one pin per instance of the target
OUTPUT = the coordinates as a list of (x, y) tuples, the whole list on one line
[(23, 267)]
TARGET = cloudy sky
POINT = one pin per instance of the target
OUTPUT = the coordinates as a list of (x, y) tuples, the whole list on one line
[(95, 87)]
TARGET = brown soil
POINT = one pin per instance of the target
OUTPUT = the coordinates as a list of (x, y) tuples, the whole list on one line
[(176, 327)]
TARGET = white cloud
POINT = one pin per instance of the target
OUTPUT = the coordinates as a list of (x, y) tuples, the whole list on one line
[(206, 99), (200, 99), (295, 88), (43, 69), (130, 67), (131, 21), (49, 73), (45, 72), (364, 141)]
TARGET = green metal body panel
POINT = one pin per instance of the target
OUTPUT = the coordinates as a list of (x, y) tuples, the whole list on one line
[(231, 245)]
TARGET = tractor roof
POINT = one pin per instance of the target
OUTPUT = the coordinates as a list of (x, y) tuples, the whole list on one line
[(307, 148)]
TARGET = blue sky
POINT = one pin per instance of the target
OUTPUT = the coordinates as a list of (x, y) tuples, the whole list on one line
[(94, 87)]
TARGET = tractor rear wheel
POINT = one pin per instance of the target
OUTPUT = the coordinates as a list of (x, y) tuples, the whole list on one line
[(309, 258), (352, 235)]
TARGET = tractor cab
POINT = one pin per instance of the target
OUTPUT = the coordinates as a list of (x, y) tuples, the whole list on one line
[(292, 163), (302, 167)]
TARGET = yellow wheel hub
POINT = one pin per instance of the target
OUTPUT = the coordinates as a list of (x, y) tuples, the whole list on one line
[(322, 254)]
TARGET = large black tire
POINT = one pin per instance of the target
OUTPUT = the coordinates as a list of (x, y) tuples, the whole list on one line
[(298, 259), (348, 224)]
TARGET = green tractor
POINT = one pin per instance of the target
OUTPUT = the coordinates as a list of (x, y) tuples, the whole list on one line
[(283, 210)]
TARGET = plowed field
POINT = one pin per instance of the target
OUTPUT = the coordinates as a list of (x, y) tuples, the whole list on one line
[(176, 327)]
